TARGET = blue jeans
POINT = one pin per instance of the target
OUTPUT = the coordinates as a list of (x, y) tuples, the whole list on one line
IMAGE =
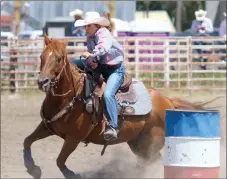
[(114, 78)]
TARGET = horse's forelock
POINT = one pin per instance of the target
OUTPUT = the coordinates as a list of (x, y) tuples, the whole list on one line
[(56, 47)]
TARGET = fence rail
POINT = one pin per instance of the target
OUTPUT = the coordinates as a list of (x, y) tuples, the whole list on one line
[(163, 62)]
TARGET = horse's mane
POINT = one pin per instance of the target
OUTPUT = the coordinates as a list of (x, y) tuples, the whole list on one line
[(74, 69)]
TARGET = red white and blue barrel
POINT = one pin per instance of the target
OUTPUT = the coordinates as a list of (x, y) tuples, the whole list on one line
[(192, 144)]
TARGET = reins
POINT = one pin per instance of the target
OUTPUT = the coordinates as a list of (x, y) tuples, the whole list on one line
[(71, 103)]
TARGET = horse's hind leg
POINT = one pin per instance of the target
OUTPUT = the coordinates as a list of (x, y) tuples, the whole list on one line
[(147, 145), (39, 133), (69, 146)]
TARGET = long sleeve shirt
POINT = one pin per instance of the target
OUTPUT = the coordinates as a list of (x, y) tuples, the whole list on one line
[(222, 29), (104, 45), (206, 24)]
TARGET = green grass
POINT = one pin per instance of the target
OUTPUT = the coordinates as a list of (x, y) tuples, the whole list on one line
[(160, 84), (204, 83)]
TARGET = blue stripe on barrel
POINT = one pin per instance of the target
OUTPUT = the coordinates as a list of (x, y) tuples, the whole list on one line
[(204, 124)]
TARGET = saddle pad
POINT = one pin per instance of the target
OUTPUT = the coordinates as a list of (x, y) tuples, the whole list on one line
[(140, 104), (129, 96), (143, 104)]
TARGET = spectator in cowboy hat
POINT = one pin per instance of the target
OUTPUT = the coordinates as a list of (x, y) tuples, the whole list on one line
[(202, 25), (222, 33), (222, 29), (78, 15)]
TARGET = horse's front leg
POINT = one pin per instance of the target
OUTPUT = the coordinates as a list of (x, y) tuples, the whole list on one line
[(39, 133), (69, 146)]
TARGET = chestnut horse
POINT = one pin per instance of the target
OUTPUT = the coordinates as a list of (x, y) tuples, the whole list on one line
[(63, 84)]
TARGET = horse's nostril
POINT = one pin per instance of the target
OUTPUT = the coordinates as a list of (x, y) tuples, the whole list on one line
[(42, 82), (45, 81)]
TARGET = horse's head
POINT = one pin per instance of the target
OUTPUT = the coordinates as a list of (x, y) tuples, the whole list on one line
[(53, 62)]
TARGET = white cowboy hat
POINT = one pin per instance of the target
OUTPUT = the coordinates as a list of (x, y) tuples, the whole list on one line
[(75, 12), (200, 15), (79, 23), (224, 13), (92, 17)]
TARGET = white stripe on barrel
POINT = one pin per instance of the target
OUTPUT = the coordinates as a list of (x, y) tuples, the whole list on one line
[(192, 144)]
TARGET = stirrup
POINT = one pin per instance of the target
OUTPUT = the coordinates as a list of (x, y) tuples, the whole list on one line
[(111, 137), (88, 105)]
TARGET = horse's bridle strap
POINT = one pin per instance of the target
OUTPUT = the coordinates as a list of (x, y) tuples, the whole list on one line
[(53, 83)]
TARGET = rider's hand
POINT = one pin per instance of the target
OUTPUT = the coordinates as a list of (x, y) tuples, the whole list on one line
[(93, 65), (87, 55)]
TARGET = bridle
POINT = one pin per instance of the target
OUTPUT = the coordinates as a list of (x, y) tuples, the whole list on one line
[(71, 103), (57, 78)]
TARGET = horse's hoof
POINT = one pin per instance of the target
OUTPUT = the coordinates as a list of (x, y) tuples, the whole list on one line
[(78, 176), (35, 171), (74, 176), (68, 174)]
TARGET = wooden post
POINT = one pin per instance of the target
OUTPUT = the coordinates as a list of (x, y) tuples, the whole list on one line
[(17, 5), (112, 8), (179, 15), (147, 3), (12, 68)]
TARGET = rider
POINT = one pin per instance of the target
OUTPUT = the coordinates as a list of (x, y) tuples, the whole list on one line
[(105, 54)]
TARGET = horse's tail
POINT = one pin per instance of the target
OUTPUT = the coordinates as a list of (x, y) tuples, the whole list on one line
[(183, 104)]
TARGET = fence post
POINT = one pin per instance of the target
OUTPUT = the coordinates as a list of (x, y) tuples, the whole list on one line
[(12, 67), (26, 69), (137, 59), (166, 66), (190, 65)]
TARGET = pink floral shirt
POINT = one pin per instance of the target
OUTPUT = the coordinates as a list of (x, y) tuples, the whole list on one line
[(106, 47)]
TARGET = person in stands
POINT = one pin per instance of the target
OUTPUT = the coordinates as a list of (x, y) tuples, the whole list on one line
[(77, 31)]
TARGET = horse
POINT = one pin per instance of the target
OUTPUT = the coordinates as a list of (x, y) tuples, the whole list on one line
[(63, 114)]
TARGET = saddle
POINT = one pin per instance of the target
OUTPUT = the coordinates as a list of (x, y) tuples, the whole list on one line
[(127, 82), (124, 87), (125, 95)]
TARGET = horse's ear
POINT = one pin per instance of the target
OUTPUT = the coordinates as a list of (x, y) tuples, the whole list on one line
[(65, 43), (46, 39)]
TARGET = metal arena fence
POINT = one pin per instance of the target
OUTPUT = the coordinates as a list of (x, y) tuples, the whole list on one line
[(176, 63)]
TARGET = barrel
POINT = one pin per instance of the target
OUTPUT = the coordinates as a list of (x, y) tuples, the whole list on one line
[(192, 144)]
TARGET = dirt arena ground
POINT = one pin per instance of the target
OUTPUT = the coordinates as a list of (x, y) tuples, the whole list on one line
[(20, 115)]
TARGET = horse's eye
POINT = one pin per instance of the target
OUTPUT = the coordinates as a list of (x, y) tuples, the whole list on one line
[(58, 59)]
